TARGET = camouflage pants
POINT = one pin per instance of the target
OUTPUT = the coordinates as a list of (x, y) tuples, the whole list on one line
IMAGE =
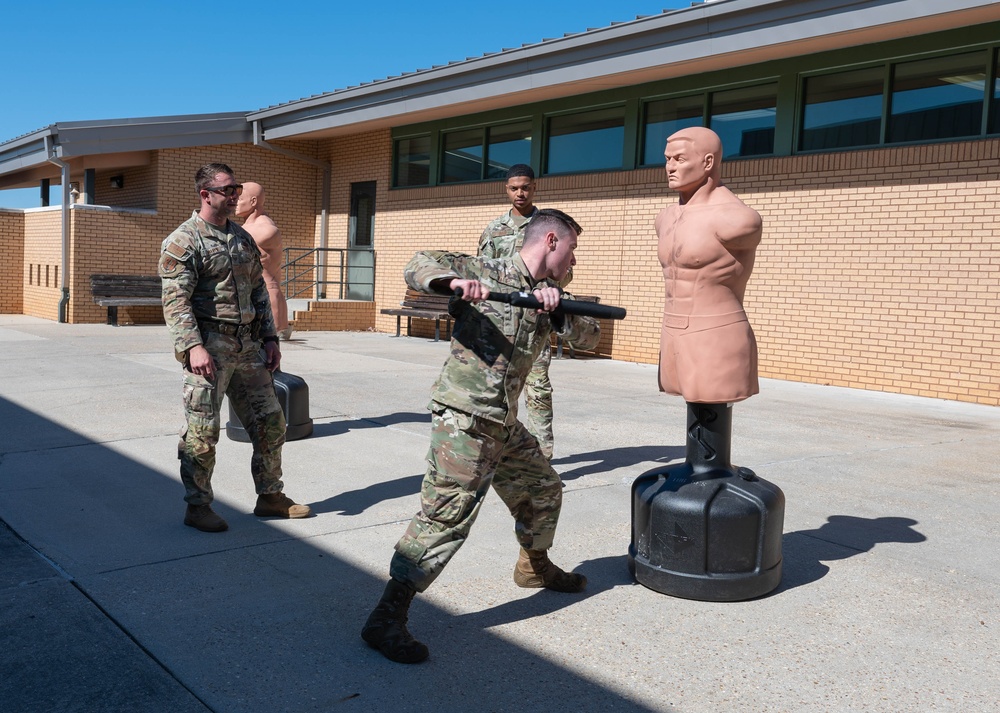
[(240, 375), (538, 402), (467, 455)]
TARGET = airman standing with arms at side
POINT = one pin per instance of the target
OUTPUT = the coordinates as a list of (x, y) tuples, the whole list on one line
[(707, 243), (265, 232), (216, 307)]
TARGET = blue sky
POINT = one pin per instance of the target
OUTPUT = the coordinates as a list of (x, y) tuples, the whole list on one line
[(108, 59)]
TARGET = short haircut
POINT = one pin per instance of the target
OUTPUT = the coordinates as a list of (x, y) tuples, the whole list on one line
[(206, 174), (520, 169), (550, 219)]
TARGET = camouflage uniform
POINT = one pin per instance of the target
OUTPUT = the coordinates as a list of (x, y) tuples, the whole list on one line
[(476, 439), (503, 238), (214, 295)]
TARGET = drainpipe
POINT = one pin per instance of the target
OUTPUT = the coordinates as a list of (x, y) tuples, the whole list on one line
[(50, 153), (258, 140)]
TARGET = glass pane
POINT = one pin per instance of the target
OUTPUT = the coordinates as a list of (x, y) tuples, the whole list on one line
[(842, 110), (413, 161), (463, 156), (589, 141), (995, 109), (362, 219), (664, 118), (938, 98), (508, 144), (744, 120)]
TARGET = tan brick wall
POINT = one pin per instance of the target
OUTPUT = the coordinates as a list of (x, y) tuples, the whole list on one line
[(336, 316), (139, 187), (11, 262), (879, 269), (42, 258)]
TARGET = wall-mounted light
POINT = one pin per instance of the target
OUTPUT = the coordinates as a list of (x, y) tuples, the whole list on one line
[(118, 181)]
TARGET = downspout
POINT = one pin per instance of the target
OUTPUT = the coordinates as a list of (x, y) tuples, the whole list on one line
[(258, 140), (50, 154)]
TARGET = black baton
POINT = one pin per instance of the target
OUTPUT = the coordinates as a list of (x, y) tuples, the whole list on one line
[(586, 309)]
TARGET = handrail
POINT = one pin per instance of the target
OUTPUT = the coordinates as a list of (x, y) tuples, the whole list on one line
[(302, 269)]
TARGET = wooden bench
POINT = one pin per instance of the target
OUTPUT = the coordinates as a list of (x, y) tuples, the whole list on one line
[(114, 291), (422, 306)]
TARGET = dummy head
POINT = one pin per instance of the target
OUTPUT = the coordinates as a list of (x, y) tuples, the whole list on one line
[(693, 156), (252, 199)]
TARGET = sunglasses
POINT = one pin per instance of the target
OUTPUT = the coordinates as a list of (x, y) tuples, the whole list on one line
[(229, 191)]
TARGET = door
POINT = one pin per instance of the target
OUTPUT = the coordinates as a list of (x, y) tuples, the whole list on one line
[(361, 255)]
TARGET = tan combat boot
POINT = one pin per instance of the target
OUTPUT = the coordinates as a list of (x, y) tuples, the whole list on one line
[(534, 570), (279, 505), (204, 518), (386, 629)]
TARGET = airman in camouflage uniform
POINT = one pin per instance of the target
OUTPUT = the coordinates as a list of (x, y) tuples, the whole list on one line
[(504, 237), (216, 307), (476, 439)]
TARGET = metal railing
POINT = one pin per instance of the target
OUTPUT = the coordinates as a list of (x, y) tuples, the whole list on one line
[(328, 273)]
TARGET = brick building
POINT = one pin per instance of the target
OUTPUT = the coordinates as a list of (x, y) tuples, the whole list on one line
[(865, 132)]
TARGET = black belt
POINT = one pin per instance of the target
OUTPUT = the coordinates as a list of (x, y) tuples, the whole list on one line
[(233, 330)]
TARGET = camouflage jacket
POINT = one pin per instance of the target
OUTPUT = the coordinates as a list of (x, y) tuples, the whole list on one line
[(493, 344), (212, 274), (503, 237)]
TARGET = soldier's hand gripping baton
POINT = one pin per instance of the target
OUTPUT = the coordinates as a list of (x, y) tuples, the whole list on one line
[(586, 309)]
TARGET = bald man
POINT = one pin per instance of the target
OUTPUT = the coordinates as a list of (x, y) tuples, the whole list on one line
[(707, 243), (268, 238)]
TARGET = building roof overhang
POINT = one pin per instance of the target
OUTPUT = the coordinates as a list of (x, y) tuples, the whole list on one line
[(111, 143), (709, 36), (706, 37)]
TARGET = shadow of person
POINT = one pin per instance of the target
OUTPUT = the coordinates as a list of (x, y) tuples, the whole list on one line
[(355, 502), (840, 537), (338, 428), (612, 458), (602, 573)]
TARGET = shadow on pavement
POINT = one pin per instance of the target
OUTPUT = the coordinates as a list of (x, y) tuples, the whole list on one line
[(842, 536), (252, 620)]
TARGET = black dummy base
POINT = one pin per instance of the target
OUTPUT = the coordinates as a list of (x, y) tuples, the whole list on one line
[(293, 395), (705, 529)]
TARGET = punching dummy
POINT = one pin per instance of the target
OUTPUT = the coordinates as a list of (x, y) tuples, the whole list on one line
[(707, 241)]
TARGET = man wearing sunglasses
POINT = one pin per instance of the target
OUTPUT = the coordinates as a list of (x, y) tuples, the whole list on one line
[(216, 307)]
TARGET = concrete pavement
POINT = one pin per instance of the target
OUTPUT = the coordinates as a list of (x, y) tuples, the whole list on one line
[(108, 603)]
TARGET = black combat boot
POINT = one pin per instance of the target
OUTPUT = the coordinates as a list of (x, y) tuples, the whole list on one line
[(385, 629)]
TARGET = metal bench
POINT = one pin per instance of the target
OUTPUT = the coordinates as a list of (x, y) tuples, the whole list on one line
[(114, 291), (422, 306)]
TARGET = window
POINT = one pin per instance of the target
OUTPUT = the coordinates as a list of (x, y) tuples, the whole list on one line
[(995, 109), (508, 144), (665, 117), (938, 98), (744, 119), (462, 157), (412, 161), (361, 227), (842, 110), (588, 141)]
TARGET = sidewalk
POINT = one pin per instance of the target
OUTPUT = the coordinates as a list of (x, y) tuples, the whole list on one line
[(888, 600)]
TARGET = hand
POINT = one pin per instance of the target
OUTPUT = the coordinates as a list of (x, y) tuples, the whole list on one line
[(201, 362), (549, 297), (472, 290), (273, 353)]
